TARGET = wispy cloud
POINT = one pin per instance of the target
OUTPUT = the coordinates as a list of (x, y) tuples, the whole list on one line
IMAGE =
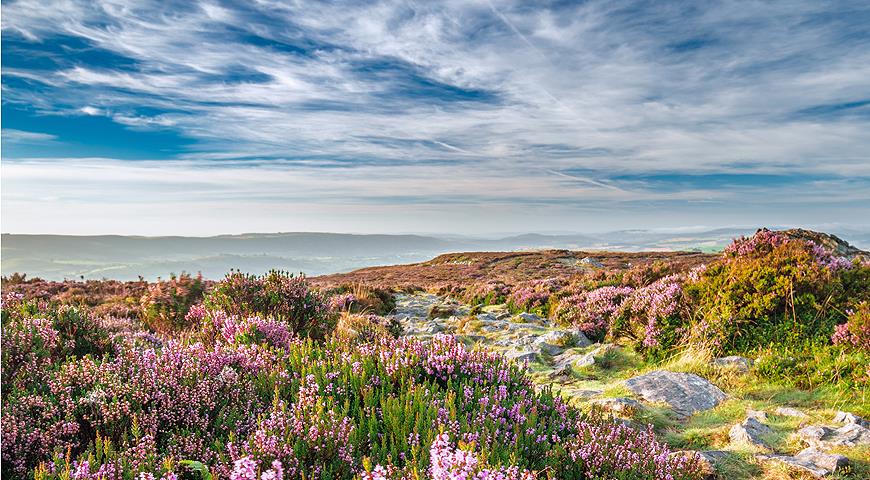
[(546, 109)]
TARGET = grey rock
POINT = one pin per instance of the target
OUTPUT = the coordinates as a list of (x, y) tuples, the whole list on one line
[(560, 338), (521, 356), (530, 318), (738, 363), (849, 435), (685, 393), (548, 348), (750, 432), (592, 262), (790, 412), (486, 317), (811, 460), (757, 414), (847, 417), (434, 327)]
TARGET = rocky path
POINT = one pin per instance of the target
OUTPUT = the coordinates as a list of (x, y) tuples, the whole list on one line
[(590, 375)]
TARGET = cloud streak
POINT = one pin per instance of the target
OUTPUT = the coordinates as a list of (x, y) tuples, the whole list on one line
[(380, 105)]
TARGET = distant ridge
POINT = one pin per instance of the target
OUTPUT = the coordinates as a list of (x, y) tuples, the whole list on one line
[(56, 257)]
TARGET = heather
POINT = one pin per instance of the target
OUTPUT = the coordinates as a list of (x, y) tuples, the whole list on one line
[(255, 396)]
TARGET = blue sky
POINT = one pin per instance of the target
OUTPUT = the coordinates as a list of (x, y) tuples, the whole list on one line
[(199, 118)]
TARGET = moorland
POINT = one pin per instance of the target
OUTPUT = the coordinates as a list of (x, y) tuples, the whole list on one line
[(751, 362)]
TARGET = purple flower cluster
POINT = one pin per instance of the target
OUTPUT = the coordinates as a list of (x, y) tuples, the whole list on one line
[(592, 311)]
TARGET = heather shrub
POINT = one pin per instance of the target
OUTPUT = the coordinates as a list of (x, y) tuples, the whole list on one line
[(245, 398), (353, 327), (534, 296), (653, 318), (771, 289), (360, 298), (592, 311), (855, 333), (276, 295), (165, 303)]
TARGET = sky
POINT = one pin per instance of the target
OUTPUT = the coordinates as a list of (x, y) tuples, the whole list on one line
[(463, 117)]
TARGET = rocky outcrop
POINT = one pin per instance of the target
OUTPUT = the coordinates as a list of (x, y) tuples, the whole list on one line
[(622, 406), (685, 393), (750, 432), (811, 460), (832, 243)]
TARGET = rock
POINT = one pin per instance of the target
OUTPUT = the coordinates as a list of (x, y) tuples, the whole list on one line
[(620, 405), (790, 412), (548, 348), (757, 414), (486, 317), (592, 262), (812, 461), (846, 417), (560, 338), (530, 318), (738, 363), (521, 356), (434, 327), (685, 393), (750, 432), (849, 435), (707, 461)]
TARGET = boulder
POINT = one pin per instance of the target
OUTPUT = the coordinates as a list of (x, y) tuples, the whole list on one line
[(849, 435), (560, 338), (811, 460), (790, 412), (846, 417), (750, 432), (592, 262), (685, 393), (741, 364)]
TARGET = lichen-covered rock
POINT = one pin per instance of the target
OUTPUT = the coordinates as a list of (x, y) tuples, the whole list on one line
[(847, 417), (521, 356), (685, 393), (531, 318), (811, 460), (824, 437), (750, 432)]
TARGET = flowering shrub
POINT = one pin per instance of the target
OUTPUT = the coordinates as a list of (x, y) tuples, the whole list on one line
[(592, 312), (534, 296), (772, 289), (165, 303), (277, 296), (855, 333), (245, 398), (653, 316)]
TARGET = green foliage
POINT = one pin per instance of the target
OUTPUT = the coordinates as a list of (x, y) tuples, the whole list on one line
[(276, 295), (165, 304)]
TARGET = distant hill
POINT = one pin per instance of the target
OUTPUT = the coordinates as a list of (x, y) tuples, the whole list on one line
[(56, 257)]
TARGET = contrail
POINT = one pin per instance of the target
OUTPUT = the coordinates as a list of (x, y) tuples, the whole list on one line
[(586, 180)]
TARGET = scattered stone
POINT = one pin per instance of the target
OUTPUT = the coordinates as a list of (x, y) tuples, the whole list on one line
[(757, 414), (531, 318), (560, 338), (503, 316), (521, 356), (592, 262), (685, 393), (620, 405), (812, 461), (790, 412), (849, 435), (548, 348), (750, 432), (738, 363), (434, 327), (486, 317), (847, 417)]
